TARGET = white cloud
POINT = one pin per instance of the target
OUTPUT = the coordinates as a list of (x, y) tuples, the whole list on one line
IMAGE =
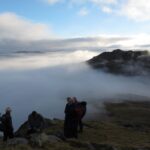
[(45, 60), (106, 9), (13, 26), (91, 43), (104, 1), (138, 10), (51, 2), (83, 12)]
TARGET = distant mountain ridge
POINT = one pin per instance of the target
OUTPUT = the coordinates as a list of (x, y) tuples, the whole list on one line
[(122, 62)]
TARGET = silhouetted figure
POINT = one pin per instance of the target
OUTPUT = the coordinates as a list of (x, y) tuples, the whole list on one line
[(67, 118), (81, 114), (36, 122), (71, 123), (7, 125), (75, 101)]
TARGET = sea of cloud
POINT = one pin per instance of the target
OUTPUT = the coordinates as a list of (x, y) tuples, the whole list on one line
[(42, 82), (38, 71)]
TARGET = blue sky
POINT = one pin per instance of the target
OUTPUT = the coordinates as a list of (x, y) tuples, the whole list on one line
[(81, 24), (72, 19)]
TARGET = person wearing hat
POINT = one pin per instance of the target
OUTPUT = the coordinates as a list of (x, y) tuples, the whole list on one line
[(7, 124)]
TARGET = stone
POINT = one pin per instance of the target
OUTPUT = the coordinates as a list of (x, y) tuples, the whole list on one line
[(38, 139), (53, 139), (17, 141)]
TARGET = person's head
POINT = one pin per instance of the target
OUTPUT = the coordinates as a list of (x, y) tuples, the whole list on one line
[(69, 100), (34, 113), (8, 110), (75, 100)]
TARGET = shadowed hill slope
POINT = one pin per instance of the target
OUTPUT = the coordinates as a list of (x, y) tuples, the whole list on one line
[(123, 62)]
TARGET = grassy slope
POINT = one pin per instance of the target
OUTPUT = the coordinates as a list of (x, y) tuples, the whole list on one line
[(128, 125)]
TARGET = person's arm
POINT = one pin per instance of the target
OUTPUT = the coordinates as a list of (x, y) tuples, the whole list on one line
[(66, 108)]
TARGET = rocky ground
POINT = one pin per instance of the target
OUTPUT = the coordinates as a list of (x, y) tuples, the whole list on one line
[(126, 127)]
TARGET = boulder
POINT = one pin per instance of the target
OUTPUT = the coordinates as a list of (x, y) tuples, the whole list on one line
[(22, 131), (39, 139), (53, 139), (17, 141)]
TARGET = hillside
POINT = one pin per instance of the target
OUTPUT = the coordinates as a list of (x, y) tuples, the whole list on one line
[(123, 62), (126, 127)]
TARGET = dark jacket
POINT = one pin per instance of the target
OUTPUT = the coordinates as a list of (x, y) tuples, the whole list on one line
[(36, 121), (7, 122), (80, 109), (70, 111)]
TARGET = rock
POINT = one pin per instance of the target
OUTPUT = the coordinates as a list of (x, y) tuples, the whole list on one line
[(60, 135), (38, 139), (42, 138), (53, 139), (123, 62), (17, 141), (22, 131)]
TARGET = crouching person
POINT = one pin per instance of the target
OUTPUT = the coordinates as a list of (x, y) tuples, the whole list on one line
[(36, 123), (7, 126)]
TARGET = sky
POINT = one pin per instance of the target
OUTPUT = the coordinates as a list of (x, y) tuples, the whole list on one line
[(26, 20)]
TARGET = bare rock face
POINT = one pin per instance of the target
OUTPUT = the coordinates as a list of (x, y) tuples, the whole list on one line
[(123, 62)]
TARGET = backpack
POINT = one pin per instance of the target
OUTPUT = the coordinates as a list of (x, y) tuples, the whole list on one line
[(79, 111)]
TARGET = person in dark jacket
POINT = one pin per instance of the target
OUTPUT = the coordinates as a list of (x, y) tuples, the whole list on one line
[(36, 122), (7, 124), (82, 114), (71, 122), (75, 118), (68, 117), (80, 110)]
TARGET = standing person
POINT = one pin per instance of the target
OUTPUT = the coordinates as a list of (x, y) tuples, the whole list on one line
[(75, 101), (36, 122), (81, 115), (75, 118), (68, 117), (7, 124), (71, 123)]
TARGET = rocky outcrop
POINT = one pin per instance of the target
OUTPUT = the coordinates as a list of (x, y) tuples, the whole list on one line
[(17, 141), (123, 62), (22, 131)]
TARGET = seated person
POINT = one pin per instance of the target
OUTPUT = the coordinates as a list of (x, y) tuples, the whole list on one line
[(36, 122)]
